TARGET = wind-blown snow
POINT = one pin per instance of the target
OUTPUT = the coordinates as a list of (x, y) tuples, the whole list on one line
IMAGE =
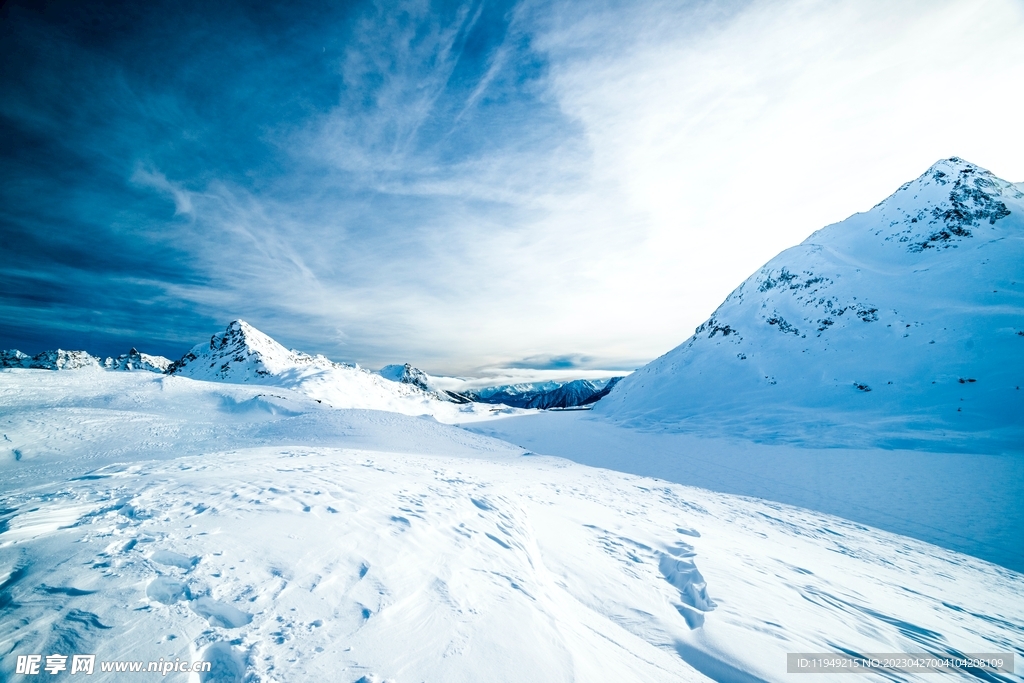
[(900, 327), (967, 502), (156, 516)]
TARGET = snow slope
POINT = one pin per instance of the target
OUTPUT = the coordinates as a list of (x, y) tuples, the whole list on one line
[(160, 517), (244, 355), (899, 327), (967, 502)]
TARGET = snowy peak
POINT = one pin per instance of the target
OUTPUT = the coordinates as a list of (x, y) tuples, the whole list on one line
[(74, 360), (952, 202), (241, 353), (13, 358), (134, 360)]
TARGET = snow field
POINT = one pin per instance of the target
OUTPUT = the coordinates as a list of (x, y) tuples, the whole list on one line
[(967, 502), (280, 540), (334, 564)]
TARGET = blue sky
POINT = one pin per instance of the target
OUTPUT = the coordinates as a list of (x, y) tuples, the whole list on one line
[(565, 185)]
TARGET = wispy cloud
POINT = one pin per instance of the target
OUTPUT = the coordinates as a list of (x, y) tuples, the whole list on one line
[(158, 181)]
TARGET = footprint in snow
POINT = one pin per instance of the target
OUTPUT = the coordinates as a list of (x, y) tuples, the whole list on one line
[(167, 591), (219, 613), (227, 665), (678, 568), (173, 559)]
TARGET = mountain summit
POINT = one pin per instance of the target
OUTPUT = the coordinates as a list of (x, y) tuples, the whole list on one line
[(241, 353), (899, 326)]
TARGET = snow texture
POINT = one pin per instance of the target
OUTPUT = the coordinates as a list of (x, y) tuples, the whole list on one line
[(968, 502), (158, 516), (899, 327)]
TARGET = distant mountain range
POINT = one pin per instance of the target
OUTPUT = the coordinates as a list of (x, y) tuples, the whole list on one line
[(901, 326), (546, 395), (73, 360), (541, 395), (241, 354)]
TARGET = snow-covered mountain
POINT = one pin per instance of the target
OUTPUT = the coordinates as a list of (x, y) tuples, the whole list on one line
[(568, 395), (407, 374), (241, 354), (902, 325), (543, 395), (579, 392), (516, 393), (134, 360), (48, 360)]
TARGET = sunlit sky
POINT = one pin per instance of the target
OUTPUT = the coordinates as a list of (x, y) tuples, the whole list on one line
[(553, 185)]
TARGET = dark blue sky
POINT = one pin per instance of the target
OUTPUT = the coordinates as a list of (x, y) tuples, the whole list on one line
[(140, 141)]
